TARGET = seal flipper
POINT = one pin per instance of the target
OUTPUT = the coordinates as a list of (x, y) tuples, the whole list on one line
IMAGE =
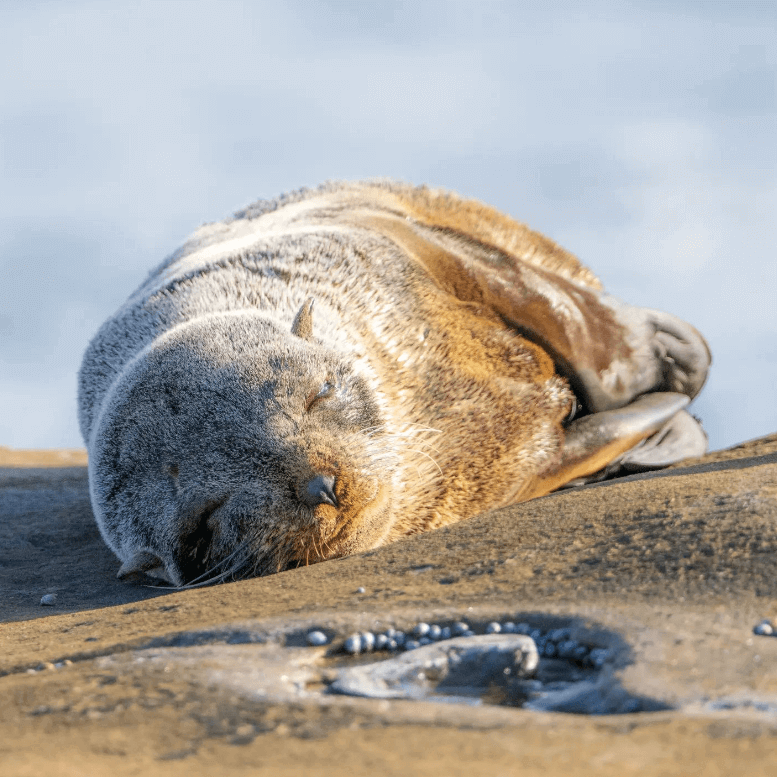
[(148, 563), (610, 352), (651, 432), (682, 437), (667, 353)]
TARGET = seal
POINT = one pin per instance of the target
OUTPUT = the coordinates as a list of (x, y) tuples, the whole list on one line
[(341, 367)]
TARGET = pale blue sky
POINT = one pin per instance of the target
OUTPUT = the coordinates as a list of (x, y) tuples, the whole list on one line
[(641, 136)]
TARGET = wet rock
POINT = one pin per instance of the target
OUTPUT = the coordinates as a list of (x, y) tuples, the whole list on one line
[(465, 665)]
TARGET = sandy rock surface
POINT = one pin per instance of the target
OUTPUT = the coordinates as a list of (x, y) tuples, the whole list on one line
[(669, 572)]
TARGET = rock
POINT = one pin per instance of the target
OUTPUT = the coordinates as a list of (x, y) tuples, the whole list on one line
[(353, 644), (464, 664), (317, 638)]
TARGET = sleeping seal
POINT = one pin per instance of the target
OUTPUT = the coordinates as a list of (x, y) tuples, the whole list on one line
[(341, 367)]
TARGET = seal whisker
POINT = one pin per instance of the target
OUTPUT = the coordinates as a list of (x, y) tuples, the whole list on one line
[(422, 428), (424, 453), (401, 438), (210, 581), (212, 569), (240, 556)]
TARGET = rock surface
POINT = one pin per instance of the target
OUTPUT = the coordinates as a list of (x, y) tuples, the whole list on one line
[(669, 571)]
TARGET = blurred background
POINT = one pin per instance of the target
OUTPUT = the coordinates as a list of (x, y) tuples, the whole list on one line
[(639, 135)]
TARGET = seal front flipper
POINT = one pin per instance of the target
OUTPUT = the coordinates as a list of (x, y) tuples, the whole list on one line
[(148, 563), (651, 432), (682, 437)]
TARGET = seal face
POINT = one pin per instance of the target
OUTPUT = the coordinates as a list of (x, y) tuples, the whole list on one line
[(342, 367)]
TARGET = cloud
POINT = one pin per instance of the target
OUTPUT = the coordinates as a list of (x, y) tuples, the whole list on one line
[(640, 136)]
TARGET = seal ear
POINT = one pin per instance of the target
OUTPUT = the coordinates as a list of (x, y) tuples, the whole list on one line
[(302, 326)]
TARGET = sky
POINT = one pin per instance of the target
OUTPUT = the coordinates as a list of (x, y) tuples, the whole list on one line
[(638, 135)]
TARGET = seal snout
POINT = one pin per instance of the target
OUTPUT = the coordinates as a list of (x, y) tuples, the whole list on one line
[(319, 490)]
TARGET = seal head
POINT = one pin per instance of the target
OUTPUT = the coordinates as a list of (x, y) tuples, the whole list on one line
[(225, 421)]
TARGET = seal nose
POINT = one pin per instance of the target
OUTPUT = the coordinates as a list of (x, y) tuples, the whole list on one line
[(320, 491)]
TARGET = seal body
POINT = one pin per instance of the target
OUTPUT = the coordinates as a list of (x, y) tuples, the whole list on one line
[(338, 368)]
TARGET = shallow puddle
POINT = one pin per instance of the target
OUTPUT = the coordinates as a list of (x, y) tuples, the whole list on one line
[(558, 666)]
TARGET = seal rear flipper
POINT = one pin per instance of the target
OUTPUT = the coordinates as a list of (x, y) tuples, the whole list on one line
[(651, 432), (668, 354)]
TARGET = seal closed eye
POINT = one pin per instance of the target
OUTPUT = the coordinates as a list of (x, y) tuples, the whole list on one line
[(338, 368)]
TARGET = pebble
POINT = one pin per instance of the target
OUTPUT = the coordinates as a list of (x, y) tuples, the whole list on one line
[(412, 644), (435, 632), (353, 644), (581, 653), (598, 656), (764, 628), (459, 628), (559, 635), (367, 641), (381, 641), (421, 629), (493, 628), (48, 600), (508, 627), (566, 648), (317, 638), (445, 632), (361, 590)]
